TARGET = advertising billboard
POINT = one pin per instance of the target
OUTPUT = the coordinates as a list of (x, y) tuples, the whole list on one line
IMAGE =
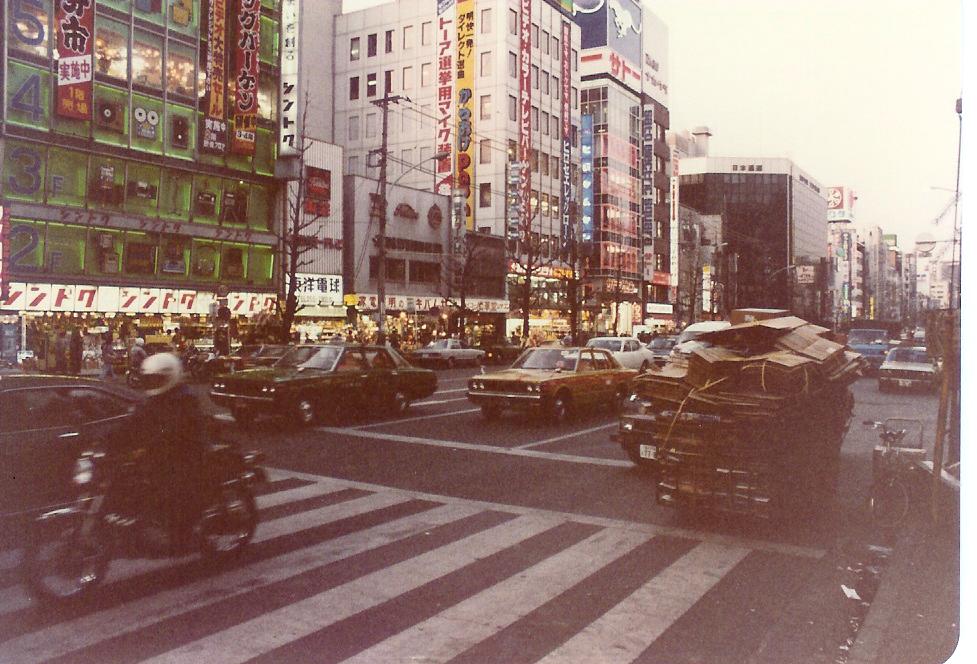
[(587, 177), (566, 191), (465, 100), (213, 133), (648, 172), (841, 204), (76, 44), (245, 108), (525, 104), (654, 64), (289, 60), (443, 100), (615, 24)]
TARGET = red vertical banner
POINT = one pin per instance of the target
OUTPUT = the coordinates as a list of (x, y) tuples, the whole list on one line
[(75, 21), (245, 111), (213, 134), (525, 108)]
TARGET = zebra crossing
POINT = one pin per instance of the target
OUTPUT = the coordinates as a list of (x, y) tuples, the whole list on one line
[(348, 571)]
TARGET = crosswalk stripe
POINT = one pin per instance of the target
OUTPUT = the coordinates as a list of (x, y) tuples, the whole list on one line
[(624, 632), (278, 628), (300, 493), (65, 637), (452, 631)]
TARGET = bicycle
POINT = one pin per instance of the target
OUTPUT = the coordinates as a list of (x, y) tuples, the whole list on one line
[(893, 467)]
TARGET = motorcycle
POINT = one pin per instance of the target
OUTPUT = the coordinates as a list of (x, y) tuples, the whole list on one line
[(69, 549), (201, 364)]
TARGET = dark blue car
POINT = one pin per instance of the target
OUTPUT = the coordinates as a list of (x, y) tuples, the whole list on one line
[(872, 344)]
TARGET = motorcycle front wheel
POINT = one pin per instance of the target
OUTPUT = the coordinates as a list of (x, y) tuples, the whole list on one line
[(61, 562), (229, 523)]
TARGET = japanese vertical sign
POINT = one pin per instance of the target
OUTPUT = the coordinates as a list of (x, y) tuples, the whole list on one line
[(648, 171), (288, 110), (587, 177), (213, 134), (4, 251), (525, 106), (446, 90), (464, 125), (567, 231), (245, 113), (76, 44), (673, 227)]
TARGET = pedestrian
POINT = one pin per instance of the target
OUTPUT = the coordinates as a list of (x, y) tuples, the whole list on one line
[(108, 356), (61, 353), (76, 347), (137, 354), (567, 339)]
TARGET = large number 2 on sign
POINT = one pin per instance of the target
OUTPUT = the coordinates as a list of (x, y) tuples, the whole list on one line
[(33, 239), (26, 179), (25, 19), (27, 99)]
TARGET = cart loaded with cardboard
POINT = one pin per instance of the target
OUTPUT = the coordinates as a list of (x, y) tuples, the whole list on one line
[(752, 423)]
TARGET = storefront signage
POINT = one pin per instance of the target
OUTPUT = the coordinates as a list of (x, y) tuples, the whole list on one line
[(405, 211), (660, 309), (246, 72), (648, 172), (4, 249), (76, 43), (443, 112), (434, 217), (213, 130), (525, 105), (673, 223), (427, 302), (587, 177), (288, 95), (465, 98), (567, 231), (324, 290), (542, 271), (318, 192)]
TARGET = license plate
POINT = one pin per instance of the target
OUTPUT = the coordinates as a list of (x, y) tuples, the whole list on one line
[(905, 383), (647, 452)]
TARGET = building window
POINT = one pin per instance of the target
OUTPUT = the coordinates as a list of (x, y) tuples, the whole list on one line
[(575, 102), (353, 165), (555, 166), (486, 63), (371, 85), (484, 194), (556, 126), (535, 118), (180, 70), (546, 128), (427, 70), (545, 164), (147, 58), (513, 22), (485, 151), (371, 125), (427, 31), (556, 88), (485, 107), (388, 81), (513, 63), (408, 36), (371, 45), (112, 49), (354, 49), (512, 108), (354, 87), (556, 47), (408, 81), (573, 56), (535, 76), (388, 41), (354, 128), (546, 42), (486, 21), (546, 83), (535, 34)]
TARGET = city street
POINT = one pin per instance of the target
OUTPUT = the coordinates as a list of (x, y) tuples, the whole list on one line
[(438, 536)]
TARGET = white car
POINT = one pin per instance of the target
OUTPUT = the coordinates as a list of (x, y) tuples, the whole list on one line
[(447, 352), (630, 352), (908, 367), (686, 342)]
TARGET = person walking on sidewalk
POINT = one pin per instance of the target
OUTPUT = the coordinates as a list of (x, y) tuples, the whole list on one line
[(108, 355), (76, 347), (60, 353)]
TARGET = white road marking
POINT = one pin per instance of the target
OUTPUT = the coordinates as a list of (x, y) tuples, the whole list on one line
[(431, 403), (460, 389), (629, 628), (414, 419), (572, 434)]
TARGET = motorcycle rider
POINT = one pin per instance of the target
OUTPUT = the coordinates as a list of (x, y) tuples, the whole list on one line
[(137, 355)]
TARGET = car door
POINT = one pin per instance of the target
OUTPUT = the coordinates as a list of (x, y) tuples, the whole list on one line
[(350, 381), (586, 386), (382, 378), (605, 366)]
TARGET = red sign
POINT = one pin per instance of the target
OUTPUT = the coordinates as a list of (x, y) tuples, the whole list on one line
[(245, 113), (446, 77), (75, 21), (318, 191), (4, 250), (213, 134), (525, 106)]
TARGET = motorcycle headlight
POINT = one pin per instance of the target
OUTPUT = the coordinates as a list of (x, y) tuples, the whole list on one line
[(627, 425), (84, 471)]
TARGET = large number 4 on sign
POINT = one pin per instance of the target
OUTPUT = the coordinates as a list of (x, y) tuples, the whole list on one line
[(27, 99)]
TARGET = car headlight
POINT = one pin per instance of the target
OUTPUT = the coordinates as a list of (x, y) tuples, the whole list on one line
[(84, 470), (218, 386), (267, 389)]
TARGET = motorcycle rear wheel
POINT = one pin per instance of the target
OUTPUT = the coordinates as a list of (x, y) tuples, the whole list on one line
[(229, 524), (63, 564)]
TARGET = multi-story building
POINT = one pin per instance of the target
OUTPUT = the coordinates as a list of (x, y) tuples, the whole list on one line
[(909, 297), (875, 271), (624, 106), (483, 100), (138, 144), (844, 268), (774, 229)]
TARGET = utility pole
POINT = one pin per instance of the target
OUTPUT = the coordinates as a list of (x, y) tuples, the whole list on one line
[(382, 231)]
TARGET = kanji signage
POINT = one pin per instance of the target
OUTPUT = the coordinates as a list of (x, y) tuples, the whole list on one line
[(445, 93), (213, 132), (319, 289), (567, 231), (245, 110), (465, 98), (318, 192), (525, 105), (288, 97), (76, 43)]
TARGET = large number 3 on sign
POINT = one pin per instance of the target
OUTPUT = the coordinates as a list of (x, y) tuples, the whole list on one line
[(27, 178), (26, 25)]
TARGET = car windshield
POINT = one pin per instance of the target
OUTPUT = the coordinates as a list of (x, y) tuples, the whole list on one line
[(269, 351), (661, 343), (548, 359), (607, 344), (443, 343), (907, 355), (867, 337), (310, 357)]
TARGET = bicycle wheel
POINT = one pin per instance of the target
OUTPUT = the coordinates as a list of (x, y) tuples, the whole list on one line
[(889, 502)]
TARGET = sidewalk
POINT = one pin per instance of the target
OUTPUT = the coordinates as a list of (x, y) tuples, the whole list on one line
[(914, 617)]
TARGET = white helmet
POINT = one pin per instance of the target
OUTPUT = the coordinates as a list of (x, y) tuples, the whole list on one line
[(161, 372), (140, 341)]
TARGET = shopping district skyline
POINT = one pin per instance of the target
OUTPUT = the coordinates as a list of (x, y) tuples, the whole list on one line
[(159, 155)]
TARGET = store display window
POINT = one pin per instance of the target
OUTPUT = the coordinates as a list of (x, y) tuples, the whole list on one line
[(23, 171), (29, 29), (180, 131), (267, 104), (174, 195), (179, 69), (106, 183), (26, 242), (148, 10), (268, 41), (111, 48), (174, 256), (104, 255), (234, 261), (146, 124), (28, 95), (66, 177), (111, 115), (140, 253), (261, 265), (264, 153), (259, 210), (142, 189), (205, 259), (205, 205), (183, 15), (64, 249), (234, 203), (147, 60)]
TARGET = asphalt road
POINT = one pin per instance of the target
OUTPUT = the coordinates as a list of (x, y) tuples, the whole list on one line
[(438, 536)]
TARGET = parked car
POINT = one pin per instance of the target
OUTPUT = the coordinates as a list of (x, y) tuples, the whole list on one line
[(872, 343), (46, 422), (908, 367), (686, 342), (630, 352), (501, 351), (661, 348), (324, 381), (553, 381), (448, 353)]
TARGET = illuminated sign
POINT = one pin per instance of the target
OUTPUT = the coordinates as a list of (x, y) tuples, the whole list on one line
[(465, 98), (213, 133), (587, 176), (566, 227), (245, 113)]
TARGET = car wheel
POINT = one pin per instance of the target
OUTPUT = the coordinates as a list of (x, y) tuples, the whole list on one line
[(490, 412), (559, 409), (304, 411), (450, 363)]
